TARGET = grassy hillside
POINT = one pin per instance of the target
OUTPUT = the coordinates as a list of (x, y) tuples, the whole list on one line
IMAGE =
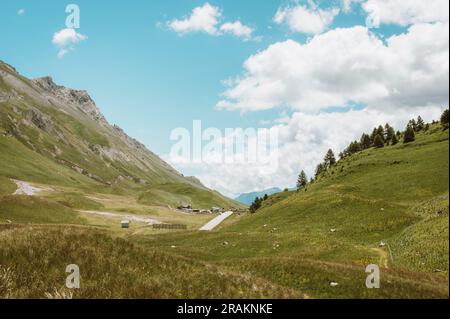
[(177, 194), (34, 210), (331, 231), (53, 135)]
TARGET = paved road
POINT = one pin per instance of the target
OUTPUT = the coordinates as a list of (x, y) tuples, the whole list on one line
[(216, 221)]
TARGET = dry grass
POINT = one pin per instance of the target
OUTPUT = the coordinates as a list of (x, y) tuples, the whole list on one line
[(33, 260)]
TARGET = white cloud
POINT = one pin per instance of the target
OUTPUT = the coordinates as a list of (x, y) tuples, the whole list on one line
[(407, 12), (348, 4), (65, 39), (202, 19), (67, 36), (306, 19), (237, 29), (303, 141), (344, 66), (206, 19), (21, 12)]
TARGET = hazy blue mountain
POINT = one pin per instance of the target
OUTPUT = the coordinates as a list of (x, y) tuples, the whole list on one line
[(248, 198)]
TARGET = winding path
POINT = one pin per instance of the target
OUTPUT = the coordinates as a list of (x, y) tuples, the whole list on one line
[(216, 221)]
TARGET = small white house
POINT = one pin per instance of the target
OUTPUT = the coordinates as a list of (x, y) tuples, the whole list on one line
[(125, 223)]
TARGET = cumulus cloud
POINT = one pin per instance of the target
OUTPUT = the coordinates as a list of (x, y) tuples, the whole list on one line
[(406, 12), (202, 19), (207, 19), (65, 40), (306, 19), (303, 140), (345, 66), (21, 12), (67, 36), (237, 29)]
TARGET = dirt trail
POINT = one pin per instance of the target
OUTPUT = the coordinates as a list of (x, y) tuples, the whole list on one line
[(132, 218), (24, 188)]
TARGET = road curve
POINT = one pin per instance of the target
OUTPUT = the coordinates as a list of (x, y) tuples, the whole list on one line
[(216, 221)]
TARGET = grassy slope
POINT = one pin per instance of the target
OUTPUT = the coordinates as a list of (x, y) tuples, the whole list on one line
[(7, 187), (111, 268), (34, 210), (371, 197), (177, 194)]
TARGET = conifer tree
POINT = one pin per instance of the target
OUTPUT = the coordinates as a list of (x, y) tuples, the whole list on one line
[(389, 132), (412, 123), (380, 131), (302, 180), (420, 125), (365, 141), (394, 140), (329, 159), (409, 135), (373, 135), (379, 142)]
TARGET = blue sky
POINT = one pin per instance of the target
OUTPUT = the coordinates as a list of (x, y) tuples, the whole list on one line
[(150, 79), (144, 78)]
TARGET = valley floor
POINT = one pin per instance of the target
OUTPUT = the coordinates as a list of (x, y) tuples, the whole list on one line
[(386, 207)]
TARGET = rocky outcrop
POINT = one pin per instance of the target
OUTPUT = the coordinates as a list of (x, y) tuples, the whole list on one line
[(76, 98), (40, 120)]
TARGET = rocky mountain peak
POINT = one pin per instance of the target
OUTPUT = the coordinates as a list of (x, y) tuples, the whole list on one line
[(75, 98), (46, 83)]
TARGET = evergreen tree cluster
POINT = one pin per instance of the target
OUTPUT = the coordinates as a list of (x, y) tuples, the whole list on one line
[(381, 136), (328, 162), (257, 203)]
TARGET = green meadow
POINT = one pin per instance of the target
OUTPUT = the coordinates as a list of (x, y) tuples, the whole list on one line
[(294, 246)]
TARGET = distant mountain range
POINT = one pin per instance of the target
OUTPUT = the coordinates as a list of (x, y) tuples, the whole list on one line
[(248, 198)]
